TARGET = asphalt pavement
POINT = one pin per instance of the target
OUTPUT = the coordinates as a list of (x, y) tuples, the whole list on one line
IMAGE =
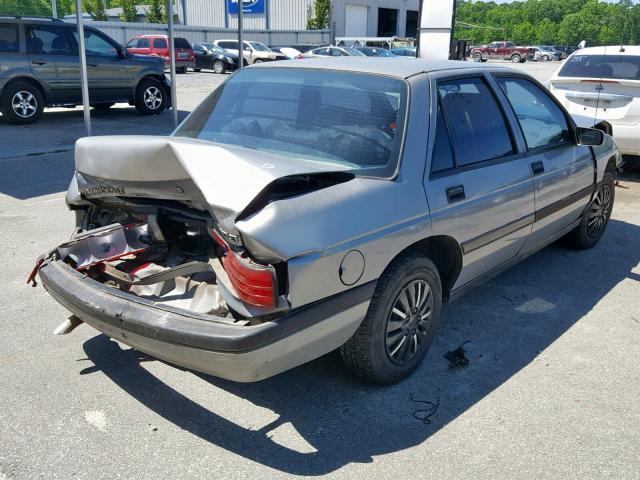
[(551, 389)]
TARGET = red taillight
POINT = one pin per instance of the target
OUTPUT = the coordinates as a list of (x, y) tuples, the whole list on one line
[(254, 283)]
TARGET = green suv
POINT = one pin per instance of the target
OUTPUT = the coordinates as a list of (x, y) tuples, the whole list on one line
[(40, 67)]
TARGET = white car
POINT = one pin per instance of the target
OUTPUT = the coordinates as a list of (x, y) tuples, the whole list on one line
[(603, 83), (332, 51)]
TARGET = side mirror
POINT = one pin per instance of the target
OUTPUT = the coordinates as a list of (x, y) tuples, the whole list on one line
[(589, 137)]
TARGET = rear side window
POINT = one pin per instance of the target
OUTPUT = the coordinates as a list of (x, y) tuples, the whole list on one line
[(442, 158), (541, 120), (619, 67), (159, 43), (478, 128), (8, 38), (48, 39), (232, 45), (181, 43)]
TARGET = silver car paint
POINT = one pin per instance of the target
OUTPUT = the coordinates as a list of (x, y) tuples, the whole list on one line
[(379, 218)]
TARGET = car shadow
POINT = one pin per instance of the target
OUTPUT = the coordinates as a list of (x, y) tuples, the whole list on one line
[(508, 323), (38, 159)]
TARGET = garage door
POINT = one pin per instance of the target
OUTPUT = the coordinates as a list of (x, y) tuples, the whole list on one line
[(355, 21)]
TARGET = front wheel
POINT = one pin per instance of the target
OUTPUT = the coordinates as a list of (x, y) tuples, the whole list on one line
[(150, 97), (477, 57), (218, 66), (596, 217), (400, 324)]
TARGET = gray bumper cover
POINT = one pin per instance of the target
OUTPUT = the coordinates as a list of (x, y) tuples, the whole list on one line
[(199, 342)]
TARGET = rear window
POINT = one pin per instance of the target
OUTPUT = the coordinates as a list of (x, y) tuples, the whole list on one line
[(8, 38), (345, 120), (181, 43), (619, 67)]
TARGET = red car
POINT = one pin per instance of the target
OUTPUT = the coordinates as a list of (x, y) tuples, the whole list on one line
[(500, 51), (158, 46)]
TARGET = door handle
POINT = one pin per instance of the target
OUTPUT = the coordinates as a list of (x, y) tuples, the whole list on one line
[(455, 194), (38, 62), (537, 167)]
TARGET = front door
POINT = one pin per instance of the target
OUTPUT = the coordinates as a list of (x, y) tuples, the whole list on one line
[(109, 74), (479, 187), (563, 172), (54, 62)]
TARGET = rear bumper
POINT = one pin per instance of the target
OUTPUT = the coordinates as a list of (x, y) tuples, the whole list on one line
[(206, 343)]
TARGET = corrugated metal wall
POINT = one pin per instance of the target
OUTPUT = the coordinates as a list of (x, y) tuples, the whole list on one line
[(122, 32)]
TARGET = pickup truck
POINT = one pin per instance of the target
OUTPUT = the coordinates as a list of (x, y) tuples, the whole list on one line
[(500, 51)]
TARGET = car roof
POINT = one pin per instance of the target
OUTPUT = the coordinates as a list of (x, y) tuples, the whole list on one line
[(609, 50), (400, 68)]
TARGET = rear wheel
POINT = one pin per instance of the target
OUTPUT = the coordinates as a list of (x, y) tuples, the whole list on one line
[(22, 103), (218, 66), (400, 324), (150, 97), (516, 58), (596, 217)]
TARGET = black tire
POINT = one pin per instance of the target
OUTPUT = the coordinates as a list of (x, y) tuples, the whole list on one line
[(516, 58), (218, 67), (181, 70), (596, 216), (545, 58), (151, 98), (257, 61), (477, 57), (197, 70), (102, 106), (376, 352), (22, 103)]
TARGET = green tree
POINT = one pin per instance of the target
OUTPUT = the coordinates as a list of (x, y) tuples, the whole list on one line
[(319, 16), (129, 13), (157, 13), (95, 8)]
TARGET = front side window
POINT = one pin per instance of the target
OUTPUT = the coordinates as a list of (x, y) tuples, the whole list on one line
[(8, 38), (478, 128), (259, 47), (47, 39), (144, 43), (160, 43), (97, 46), (133, 43), (541, 120), (344, 120)]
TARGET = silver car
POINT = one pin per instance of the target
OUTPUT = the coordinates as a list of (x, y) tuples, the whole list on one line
[(305, 207)]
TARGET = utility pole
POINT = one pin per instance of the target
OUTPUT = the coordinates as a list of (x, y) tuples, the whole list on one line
[(83, 67), (172, 63), (54, 8), (240, 42)]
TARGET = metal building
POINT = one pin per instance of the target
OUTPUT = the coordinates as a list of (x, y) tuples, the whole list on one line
[(352, 18)]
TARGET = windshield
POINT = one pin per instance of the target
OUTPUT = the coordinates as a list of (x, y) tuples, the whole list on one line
[(619, 67), (260, 47), (352, 120), (354, 52)]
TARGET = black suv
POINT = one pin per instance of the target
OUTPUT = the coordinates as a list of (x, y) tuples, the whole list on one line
[(40, 67)]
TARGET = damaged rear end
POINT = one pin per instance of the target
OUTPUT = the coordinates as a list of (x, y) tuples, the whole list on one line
[(158, 263)]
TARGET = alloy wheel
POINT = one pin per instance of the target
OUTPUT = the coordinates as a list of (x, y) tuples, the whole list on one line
[(408, 321), (153, 98), (218, 67), (599, 211), (24, 104)]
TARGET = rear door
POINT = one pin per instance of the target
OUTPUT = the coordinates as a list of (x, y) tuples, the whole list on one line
[(479, 187), (563, 172), (54, 61)]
